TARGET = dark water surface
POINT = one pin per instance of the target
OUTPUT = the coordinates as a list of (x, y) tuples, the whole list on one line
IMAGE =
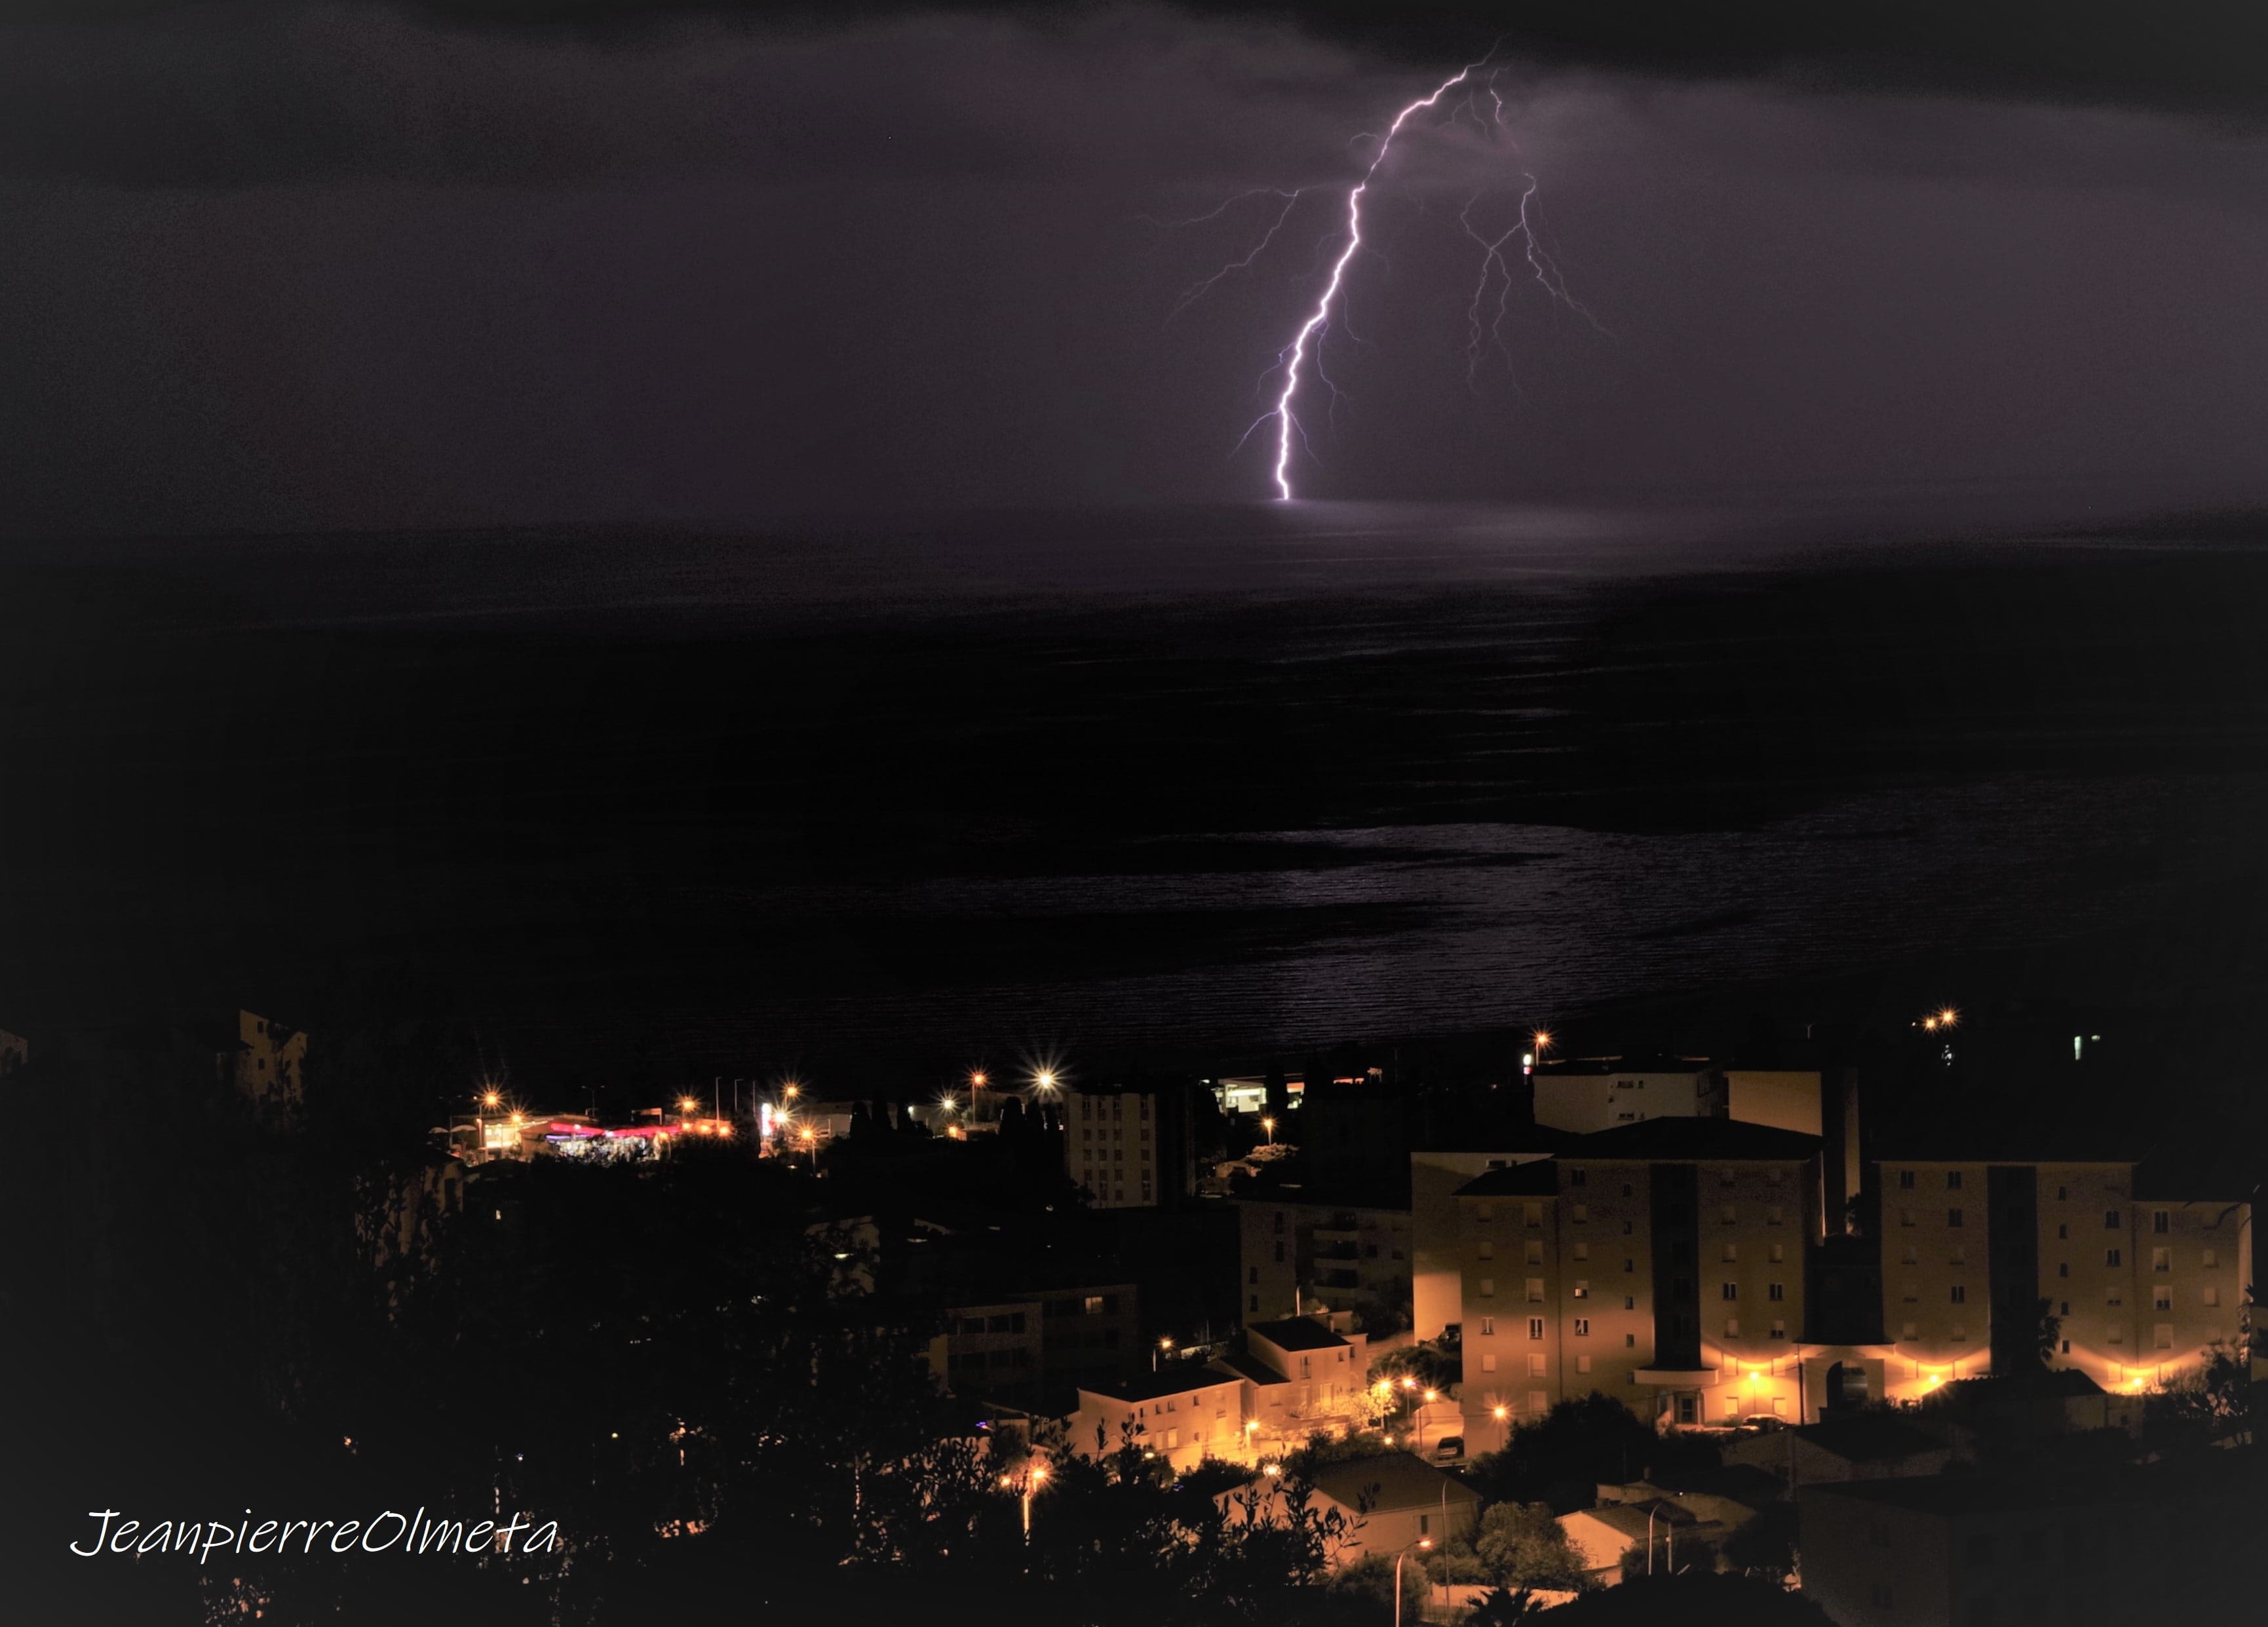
[(861, 799)]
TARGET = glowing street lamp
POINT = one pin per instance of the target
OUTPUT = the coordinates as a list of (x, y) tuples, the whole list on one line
[(1268, 1125), (1045, 1079), (1033, 1479), (491, 1098)]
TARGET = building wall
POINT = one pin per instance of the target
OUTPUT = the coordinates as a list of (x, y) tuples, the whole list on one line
[(2138, 1306), (1872, 1566), (1588, 1101), (1183, 1429), (1322, 1384), (1435, 1282), (1292, 1255), (990, 1349), (1561, 1293), (1784, 1099), (1091, 1332), (1114, 1145), (1936, 1289), (1393, 1531)]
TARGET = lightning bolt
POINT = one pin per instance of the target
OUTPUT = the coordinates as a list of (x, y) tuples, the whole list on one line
[(1286, 425), (1303, 353)]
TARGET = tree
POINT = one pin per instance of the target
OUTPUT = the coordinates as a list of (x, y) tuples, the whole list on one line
[(2047, 1334), (1521, 1545), (1561, 1457), (2207, 1403)]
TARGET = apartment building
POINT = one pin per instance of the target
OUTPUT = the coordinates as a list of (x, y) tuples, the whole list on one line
[(1294, 1254), (1662, 1263), (2142, 1286), (1598, 1093), (1184, 1414), (1297, 1376), (1130, 1148), (1038, 1344)]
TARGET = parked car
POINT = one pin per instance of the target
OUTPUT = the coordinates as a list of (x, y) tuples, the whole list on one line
[(1449, 1449)]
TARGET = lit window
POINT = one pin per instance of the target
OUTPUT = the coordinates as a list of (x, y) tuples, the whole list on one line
[(1488, 1363)]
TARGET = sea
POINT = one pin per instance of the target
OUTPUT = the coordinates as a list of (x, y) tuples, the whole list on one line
[(870, 800)]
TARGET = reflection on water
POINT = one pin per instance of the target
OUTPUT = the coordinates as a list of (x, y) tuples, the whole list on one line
[(1244, 778)]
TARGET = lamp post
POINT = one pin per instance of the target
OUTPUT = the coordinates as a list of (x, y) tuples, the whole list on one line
[(1658, 1506), (1421, 1544), (1268, 1125), (1033, 1478)]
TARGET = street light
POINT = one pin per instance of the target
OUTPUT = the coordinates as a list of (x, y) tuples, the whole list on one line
[(490, 1098), (1268, 1125), (1164, 1344), (790, 1091), (1658, 1506), (1422, 1543), (1045, 1078)]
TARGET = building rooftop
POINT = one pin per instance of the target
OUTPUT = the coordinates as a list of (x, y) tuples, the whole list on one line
[(1297, 1333), (1868, 1439), (1390, 1482), (1250, 1368), (1539, 1177), (1717, 1141), (1173, 1378)]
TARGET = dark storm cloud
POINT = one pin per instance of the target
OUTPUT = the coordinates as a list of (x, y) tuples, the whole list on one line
[(2198, 53), (308, 266)]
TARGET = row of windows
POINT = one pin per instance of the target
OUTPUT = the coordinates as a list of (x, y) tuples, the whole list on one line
[(1778, 1291), (1091, 1106), (2113, 1219), (1009, 1322)]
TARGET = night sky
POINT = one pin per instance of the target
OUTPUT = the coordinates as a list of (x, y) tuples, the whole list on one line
[(303, 267)]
